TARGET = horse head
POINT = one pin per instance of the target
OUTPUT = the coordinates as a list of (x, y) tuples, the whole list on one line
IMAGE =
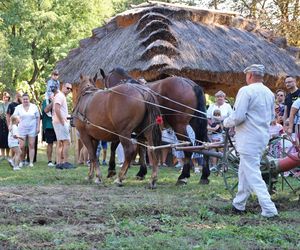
[(86, 83), (115, 77)]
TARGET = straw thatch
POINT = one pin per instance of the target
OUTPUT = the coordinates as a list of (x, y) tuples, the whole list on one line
[(157, 39)]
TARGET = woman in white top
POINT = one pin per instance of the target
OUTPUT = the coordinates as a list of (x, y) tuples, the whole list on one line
[(220, 104), (29, 125)]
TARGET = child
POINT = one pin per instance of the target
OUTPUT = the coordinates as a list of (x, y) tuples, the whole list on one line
[(216, 129), (13, 141), (275, 130)]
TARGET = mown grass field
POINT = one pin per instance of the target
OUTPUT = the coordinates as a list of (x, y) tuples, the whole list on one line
[(45, 208)]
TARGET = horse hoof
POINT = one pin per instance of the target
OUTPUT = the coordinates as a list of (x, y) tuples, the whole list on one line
[(152, 185), (98, 181), (181, 182), (88, 179), (118, 182), (140, 178), (111, 174), (204, 181)]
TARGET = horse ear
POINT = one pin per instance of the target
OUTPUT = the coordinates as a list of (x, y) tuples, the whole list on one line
[(102, 73), (95, 78)]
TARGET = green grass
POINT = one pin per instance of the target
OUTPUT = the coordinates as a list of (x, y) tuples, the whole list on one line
[(45, 208)]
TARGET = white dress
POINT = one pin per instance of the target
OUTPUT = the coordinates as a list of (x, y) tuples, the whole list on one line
[(12, 141)]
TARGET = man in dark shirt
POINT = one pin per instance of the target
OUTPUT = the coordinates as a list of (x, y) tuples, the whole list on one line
[(293, 95), (12, 106)]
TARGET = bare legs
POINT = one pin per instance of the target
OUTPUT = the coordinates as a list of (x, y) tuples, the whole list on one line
[(62, 151), (31, 144)]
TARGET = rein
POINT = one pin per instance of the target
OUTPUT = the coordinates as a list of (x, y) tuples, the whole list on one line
[(133, 141), (158, 105), (87, 91), (163, 97)]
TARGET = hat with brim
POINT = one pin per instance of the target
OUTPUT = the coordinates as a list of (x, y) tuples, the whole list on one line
[(259, 69)]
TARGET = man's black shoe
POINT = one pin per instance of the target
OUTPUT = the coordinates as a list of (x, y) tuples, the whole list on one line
[(234, 210), (68, 165), (59, 166)]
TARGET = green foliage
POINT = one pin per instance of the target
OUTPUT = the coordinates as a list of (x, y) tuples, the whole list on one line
[(36, 34)]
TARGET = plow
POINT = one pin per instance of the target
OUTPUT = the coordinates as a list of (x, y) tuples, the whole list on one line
[(272, 168)]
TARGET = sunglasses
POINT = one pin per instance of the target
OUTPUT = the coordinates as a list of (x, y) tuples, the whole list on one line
[(68, 88)]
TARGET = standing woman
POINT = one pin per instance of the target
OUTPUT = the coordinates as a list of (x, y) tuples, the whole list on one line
[(3, 126), (29, 126)]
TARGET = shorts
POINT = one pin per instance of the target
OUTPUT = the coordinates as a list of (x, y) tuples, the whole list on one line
[(217, 137), (104, 144), (62, 131), (49, 135), (27, 132), (13, 144)]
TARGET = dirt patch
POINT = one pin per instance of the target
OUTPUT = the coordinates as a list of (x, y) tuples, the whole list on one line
[(50, 216), (48, 205)]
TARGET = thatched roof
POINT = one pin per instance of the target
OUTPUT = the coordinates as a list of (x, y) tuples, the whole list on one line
[(157, 39)]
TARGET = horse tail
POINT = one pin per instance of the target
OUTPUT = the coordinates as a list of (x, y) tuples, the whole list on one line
[(152, 112), (199, 125)]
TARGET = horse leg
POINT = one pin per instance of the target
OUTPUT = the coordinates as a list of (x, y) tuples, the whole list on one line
[(180, 128), (112, 160), (88, 142), (153, 155), (154, 175), (129, 151), (205, 171), (143, 167), (185, 173), (95, 162)]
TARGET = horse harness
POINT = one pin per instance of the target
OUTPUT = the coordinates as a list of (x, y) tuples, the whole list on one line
[(81, 115)]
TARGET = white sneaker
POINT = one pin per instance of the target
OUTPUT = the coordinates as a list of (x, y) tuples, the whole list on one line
[(10, 162), (30, 164), (50, 164), (16, 168), (197, 171), (20, 164)]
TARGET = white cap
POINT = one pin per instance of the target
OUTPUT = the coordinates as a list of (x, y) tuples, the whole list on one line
[(259, 69)]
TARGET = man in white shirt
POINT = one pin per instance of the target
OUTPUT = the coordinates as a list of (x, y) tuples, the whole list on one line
[(254, 110), (62, 127)]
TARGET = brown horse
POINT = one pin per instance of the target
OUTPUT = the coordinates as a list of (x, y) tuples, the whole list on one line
[(113, 115), (184, 103)]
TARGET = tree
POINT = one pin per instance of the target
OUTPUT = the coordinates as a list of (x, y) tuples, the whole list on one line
[(40, 32)]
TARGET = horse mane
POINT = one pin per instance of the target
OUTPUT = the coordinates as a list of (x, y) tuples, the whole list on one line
[(120, 71), (123, 73)]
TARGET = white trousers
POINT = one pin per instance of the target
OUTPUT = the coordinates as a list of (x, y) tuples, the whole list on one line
[(250, 180)]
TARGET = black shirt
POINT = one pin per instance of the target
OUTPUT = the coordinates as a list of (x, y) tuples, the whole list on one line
[(289, 99), (11, 108)]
